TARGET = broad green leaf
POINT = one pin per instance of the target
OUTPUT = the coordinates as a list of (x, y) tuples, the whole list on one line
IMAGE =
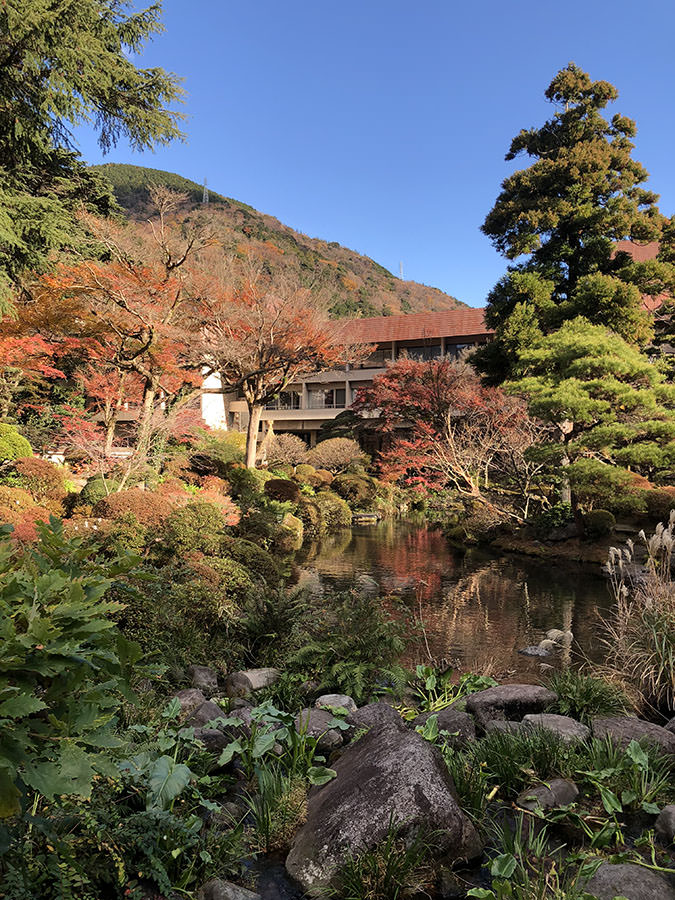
[(167, 779), (609, 800), (20, 706), (172, 709), (228, 753), (9, 796), (635, 752), (263, 744), (320, 774), (651, 808), (503, 866)]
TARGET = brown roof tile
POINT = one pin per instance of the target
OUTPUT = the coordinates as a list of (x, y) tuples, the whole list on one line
[(639, 252), (451, 323)]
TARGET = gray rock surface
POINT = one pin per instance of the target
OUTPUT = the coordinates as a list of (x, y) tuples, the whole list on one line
[(205, 713), (508, 701), (367, 586), (623, 730), (373, 715), (217, 889), (204, 679), (336, 701), (391, 773), (555, 793), (213, 739), (626, 880), (316, 723), (241, 684), (536, 650), (505, 726), (566, 728), (665, 824), (670, 726), (459, 724), (190, 699)]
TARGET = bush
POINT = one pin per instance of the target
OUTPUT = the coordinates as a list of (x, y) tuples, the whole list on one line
[(289, 535), (286, 449), (219, 591), (96, 488), (259, 562), (247, 484), (304, 471), (325, 476), (41, 478), (358, 490), (584, 696), (336, 454), (283, 490), (335, 511), (659, 502), (309, 513), (12, 444), (599, 523), (126, 535), (199, 526), (217, 451), (556, 516), (598, 484), (150, 509)]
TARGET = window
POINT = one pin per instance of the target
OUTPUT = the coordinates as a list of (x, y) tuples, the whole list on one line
[(331, 398), (423, 351), (285, 400)]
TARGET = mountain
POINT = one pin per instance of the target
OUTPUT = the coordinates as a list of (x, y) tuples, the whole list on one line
[(354, 284)]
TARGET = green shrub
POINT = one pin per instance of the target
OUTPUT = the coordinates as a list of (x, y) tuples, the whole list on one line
[(219, 590), (96, 488), (282, 470), (358, 490), (289, 535), (556, 516), (303, 470), (599, 523), (615, 489), (199, 526), (126, 535), (257, 561), (659, 502), (247, 484), (584, 696), (335, 511), (12, 444), (310, 514), (221, 448), (282, 489)]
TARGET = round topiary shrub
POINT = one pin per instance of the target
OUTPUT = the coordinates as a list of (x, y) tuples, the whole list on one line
[(660, 501), (335, 511), (219, 591), (285, 470), (247, 484), (12, 444), (258, 562), (95, 489), (126, 535), (336, 454), (599, 523), (282, 490), (199, 526), (150, 509), (303, 471), (289, 535), (41, 478), (325, 476), (309, 513), (286, 449), (358, 490)]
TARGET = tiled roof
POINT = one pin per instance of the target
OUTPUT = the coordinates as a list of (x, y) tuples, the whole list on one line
[(639, 252), (451, 323)]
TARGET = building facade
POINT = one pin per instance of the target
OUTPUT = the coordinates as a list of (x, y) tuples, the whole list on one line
[(307, 404)]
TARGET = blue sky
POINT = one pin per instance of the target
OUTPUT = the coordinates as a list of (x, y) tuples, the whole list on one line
[(383, 124)]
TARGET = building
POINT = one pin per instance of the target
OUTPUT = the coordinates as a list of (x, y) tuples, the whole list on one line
[(307, 404)]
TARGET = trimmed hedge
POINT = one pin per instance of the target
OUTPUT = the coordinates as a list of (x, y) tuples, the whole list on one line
[(358, 490), (12, 444), (335, 511)]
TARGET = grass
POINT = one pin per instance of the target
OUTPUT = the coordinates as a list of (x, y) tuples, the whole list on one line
[(583, 697), (278, 808)]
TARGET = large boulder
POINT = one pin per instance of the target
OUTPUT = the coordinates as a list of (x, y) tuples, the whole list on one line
[(459, 725), (630, 881), (374, 715), (242, 684), (555, 793), (204, 679), (335, 701), (317, 723), (622, 730), (217, 889), (206, 713), (665, 824), (190, 699), (509, 701), (569, 730), (391, 775)]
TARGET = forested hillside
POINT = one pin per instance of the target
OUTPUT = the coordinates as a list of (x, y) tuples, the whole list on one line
[(354, 284)]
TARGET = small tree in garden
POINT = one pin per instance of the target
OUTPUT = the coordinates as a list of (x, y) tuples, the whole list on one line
[(604, 401), (265, 334), (446, 429), (335, 454), (286, 449)]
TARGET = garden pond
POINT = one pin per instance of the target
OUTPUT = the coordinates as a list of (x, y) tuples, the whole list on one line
[(477, 608)]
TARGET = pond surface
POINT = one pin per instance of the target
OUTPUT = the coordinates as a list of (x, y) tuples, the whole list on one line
[(477, 608)]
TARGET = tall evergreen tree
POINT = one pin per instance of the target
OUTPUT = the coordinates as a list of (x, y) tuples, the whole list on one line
[(64, 62), (565, 213)]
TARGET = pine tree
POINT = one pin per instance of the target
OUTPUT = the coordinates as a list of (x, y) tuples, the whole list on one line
[(63, 62), (565, 213)]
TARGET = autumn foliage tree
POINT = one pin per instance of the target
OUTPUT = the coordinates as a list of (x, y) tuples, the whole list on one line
[(266, 333), (444, 428)]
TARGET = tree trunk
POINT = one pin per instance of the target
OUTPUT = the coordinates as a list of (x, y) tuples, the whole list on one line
[(110, 432), (145, 421), (254, 416)]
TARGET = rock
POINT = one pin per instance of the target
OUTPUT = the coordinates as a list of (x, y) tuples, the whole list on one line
[(627, 880), (366, 586), (566, 728), (623, 730), (557, 792), (336, 701), (203, 678), (508, 701), (555, 634), (563, 532), (316, 723), (217, 889), (670, 726), (460, 725), (213, 739), (206, 713), (391, 774), (535, 651), (504, 726), (190, 699), (241, 684), (665, 824), (373, 715)]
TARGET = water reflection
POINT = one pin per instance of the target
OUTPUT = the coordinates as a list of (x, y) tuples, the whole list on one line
[(475, 607)]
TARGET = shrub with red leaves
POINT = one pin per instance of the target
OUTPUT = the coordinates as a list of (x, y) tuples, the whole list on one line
[(41, 478), (150, 508)]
